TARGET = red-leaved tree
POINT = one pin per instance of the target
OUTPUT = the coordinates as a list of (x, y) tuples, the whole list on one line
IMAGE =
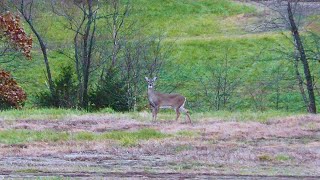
[(12, 95), (11, 29)]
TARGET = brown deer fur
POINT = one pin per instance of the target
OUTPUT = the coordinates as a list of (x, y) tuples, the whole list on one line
[(158, 100)]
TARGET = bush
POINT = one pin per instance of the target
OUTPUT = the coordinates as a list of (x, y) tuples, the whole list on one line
[(111, 92), (11, 95), (65, 91)]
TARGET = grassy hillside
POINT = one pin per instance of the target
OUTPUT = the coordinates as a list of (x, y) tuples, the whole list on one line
[(203, 34)]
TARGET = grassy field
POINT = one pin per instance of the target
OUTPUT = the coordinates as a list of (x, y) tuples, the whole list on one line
[(40, 114), (247, 140), (56, 143)]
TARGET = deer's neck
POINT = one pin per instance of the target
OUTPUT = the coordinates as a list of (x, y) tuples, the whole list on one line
[(153, 100), (151, 92)]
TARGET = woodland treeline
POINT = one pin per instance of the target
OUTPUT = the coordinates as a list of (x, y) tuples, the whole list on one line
[(109, 53)]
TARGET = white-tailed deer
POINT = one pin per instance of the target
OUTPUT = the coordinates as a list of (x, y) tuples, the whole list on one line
[(158, 100)]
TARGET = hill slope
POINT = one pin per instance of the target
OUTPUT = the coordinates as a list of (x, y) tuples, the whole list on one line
[(210, 42)]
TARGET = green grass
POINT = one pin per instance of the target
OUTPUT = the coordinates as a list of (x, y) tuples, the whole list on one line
[(164, 115), (243, 116), (186, 17), (44, 114), (185, 133), (29, 170), (24, 136), (239, 116), (278, 157), (181, 148), (131, 138), (38, 114), (15, 136), (282, 157)]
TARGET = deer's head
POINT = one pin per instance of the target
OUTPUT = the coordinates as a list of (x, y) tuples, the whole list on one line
[(151, 82)]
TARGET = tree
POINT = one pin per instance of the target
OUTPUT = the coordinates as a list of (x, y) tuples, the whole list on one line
[(288, 13), (15, 34), (10, 93), (220, 85), (27, 9), (81, 17), (141, 57)]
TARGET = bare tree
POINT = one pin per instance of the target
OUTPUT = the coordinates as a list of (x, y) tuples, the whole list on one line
[(288, 15), (218, 88), (143, 57), (117, 29), (81, 17)]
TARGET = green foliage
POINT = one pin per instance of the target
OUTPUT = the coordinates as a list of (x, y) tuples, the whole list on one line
[(110, 92), (65, 95), (107, 110)]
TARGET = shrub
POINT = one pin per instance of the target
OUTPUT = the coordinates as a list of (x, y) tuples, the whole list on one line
[(65, 94), (11, 95), (110, 92)]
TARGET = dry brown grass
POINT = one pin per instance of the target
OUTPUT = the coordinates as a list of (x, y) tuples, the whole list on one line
[(281, 146)]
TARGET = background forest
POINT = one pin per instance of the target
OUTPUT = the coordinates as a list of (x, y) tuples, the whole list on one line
[(222, 55)]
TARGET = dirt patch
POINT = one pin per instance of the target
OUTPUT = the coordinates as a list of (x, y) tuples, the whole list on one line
[(281, 148)]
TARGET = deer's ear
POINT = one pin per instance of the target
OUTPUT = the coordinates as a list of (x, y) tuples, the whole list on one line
[(155, 78), (146, 78)]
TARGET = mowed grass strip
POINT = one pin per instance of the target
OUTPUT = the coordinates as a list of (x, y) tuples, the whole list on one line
[(15, 136)]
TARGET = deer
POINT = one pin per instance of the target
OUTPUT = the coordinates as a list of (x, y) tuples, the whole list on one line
[(159, 100)]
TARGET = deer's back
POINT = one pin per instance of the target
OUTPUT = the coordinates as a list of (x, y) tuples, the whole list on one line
[(173, 100)]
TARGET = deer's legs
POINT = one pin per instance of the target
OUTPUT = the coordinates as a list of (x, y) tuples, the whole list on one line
[(178, 113), (182, 109), (188, 115), (154, 113)]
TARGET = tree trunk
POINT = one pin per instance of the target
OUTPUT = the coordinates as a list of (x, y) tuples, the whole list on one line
[(42, 46), (300, 80), (88, 39), (300, 48)]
